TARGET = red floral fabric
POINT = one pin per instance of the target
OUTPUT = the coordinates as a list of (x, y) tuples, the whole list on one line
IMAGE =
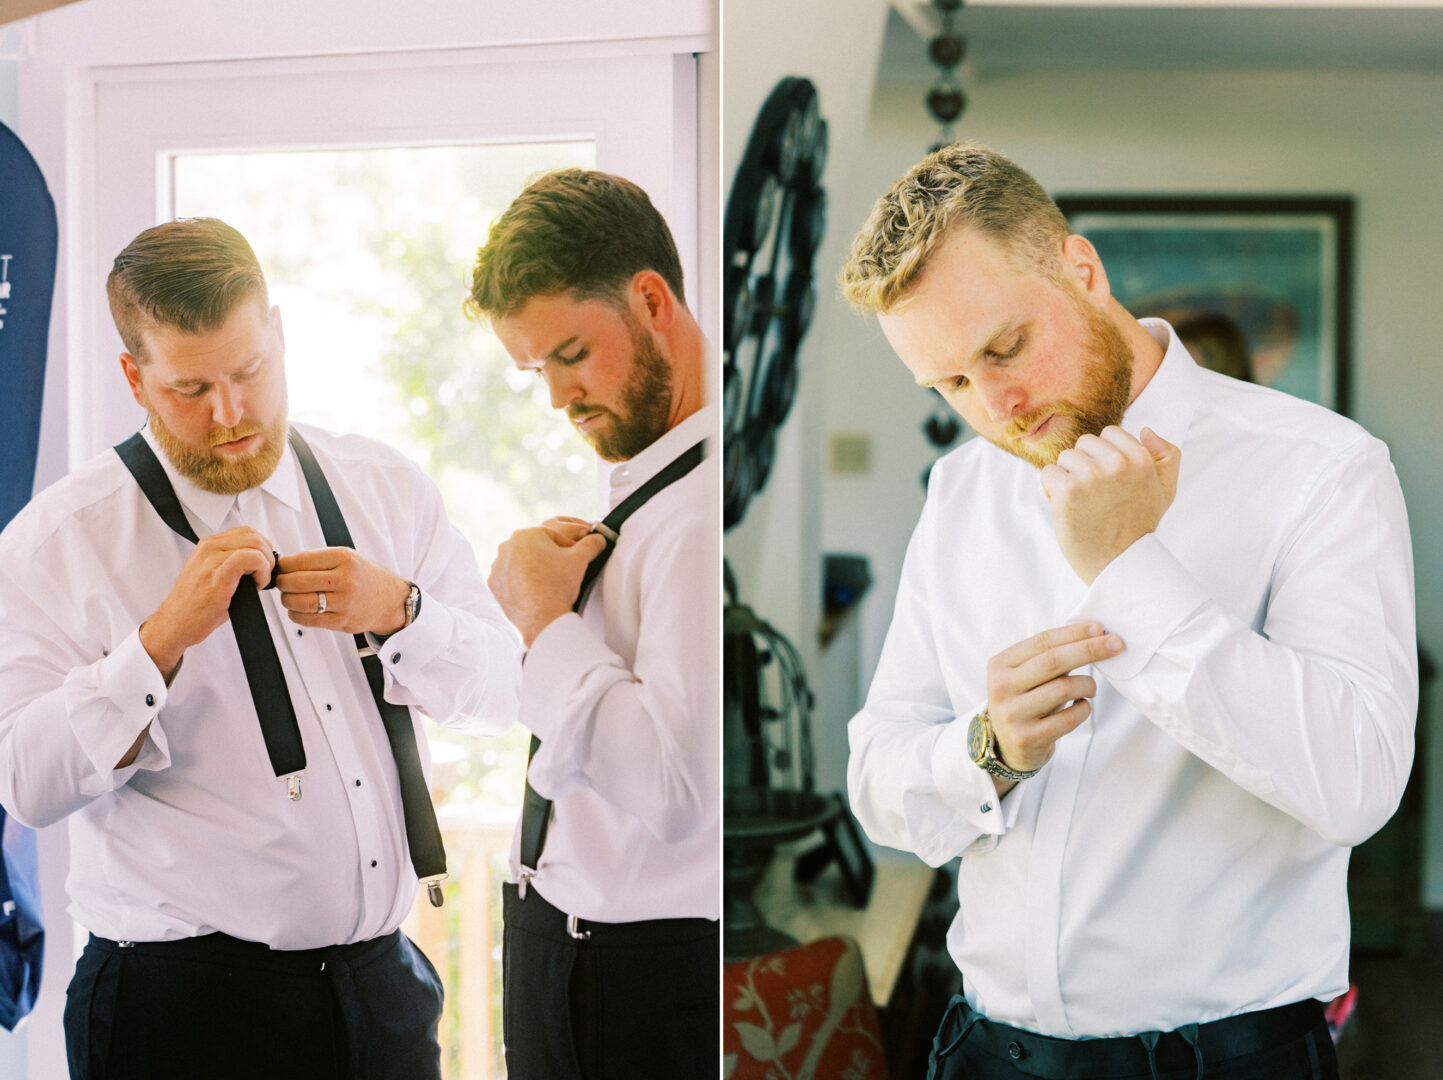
[(801, 1014)]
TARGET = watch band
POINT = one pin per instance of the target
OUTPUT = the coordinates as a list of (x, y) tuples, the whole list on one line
[(413, 604)]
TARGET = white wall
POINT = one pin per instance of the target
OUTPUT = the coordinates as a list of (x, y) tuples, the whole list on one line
[(1372, 136), (775, 551)]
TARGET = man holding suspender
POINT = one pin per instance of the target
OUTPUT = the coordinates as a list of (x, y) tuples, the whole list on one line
[(189, 627), (612, 949)]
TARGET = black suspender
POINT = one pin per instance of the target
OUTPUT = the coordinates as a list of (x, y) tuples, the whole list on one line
[(258, 652), (267, 681), (536, 810), (423, 834)]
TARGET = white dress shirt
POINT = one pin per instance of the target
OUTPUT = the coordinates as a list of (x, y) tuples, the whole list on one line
[(625, 700), (198, 835), (1183, 856)]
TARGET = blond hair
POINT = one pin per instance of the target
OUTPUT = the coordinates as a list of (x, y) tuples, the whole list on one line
[(965, 185)]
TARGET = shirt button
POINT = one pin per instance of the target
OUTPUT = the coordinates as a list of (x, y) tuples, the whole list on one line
[(300, 633), (358, 782), (1013, 1050), (150, 699), (987, 808), (328, 707), (395, 658), (373, 862)]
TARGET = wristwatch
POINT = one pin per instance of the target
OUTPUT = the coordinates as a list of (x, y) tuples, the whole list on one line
[(982, 748), (413, 604)]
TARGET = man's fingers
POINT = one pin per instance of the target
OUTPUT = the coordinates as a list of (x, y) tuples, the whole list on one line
[(239, 537), (1055, 725), (1048, 698), (1104, 453), (318, 559), (247, 560), (590, 546), (1166, 457), (1125, 444), (1061, 659), (329, 621), (565, 530), (308, 581), (1023, 651), (1158, 447), (308, 603)]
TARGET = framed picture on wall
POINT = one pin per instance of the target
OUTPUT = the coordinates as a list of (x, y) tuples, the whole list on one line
[(1258, 287)]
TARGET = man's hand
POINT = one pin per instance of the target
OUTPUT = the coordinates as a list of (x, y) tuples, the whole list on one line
[(361, 597), (1030, 685), (538, 571), (1107, 492), (200, 599)]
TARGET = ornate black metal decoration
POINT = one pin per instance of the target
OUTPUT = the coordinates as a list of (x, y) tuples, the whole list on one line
[(945, 99), (775, 216), (945, 104)]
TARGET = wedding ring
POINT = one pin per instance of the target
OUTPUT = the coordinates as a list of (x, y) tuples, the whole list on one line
[(320, 603)]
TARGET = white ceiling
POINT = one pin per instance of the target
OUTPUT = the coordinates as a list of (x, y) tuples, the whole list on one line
[(1008, 37)]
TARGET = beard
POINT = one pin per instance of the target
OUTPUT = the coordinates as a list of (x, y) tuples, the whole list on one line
[(1100, 401), (228, 475), (640, 418)]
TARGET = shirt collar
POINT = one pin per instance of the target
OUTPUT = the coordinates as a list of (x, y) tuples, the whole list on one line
[(1169, 399), (626, 476), (210, 508)]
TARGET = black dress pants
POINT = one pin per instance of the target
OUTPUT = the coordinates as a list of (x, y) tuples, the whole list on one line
[(633, 1001), (225, 1009)]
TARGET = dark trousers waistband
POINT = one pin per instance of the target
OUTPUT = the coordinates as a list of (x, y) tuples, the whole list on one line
[(536, 915), (223, 949), (1148, 1053)]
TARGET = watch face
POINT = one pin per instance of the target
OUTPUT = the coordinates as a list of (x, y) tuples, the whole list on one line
[(979, 739)]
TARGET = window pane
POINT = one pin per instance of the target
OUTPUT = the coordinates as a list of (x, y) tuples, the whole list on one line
[(368, 254)]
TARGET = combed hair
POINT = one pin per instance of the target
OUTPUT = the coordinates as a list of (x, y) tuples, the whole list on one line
[(187, 274), (965, 185), (572, 231)]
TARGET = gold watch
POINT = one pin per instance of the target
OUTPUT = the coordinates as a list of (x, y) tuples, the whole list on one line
[(982, 748)]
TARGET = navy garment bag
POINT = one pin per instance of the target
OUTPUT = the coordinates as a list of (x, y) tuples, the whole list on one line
[(28, 243)]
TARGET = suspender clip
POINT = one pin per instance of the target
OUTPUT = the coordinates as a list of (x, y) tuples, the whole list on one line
[(573, 927), (523, 878), (612, 536), (293, 785), (433, 889)]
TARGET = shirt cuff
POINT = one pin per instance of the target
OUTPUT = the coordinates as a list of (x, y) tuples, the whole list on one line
[(109, 704), (968, 788), (1143, 595), (406, 652)]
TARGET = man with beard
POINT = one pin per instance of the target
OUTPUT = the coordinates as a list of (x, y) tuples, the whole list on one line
[(1151, 670), (246, 795), (611, 942)]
